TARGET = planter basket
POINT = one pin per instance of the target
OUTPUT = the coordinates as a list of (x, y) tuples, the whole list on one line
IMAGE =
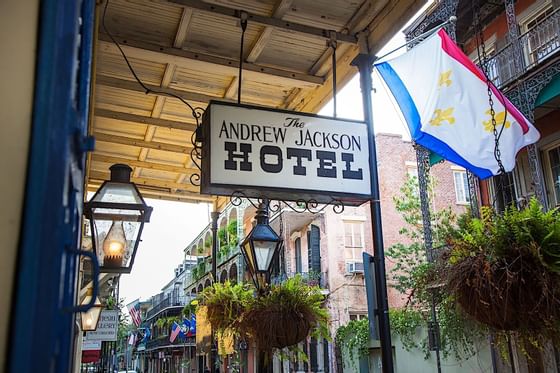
[(508, 294), (272, 327)]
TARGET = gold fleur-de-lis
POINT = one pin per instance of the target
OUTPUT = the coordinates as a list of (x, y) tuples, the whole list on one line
[(499, 117), (442, 115), (445, 79)]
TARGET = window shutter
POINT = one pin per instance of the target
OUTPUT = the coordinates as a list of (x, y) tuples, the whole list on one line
[(298, 255), (314, 249)]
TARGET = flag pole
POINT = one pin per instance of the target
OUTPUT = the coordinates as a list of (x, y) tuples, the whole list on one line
[(423, 35), (364, 62)]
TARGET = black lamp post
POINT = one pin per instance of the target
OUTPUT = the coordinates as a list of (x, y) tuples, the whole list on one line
[(260, 248), (117, 213)]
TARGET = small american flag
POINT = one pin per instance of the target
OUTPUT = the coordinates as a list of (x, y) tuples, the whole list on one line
[(134, 311), (175, 330)]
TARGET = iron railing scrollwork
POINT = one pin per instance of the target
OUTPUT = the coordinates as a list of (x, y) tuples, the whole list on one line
[(298, 206)]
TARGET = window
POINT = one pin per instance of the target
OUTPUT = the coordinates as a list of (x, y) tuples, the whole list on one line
[(554, 160), (543, 37), (412, 173), (358, 316), (353, 239), (461, 187), (298, 255)]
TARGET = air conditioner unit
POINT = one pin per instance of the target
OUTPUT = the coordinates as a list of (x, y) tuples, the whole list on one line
[(354, 267)]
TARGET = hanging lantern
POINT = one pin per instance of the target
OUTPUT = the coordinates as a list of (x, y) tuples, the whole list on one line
[(117, 213), (90, 318), (261, 246)]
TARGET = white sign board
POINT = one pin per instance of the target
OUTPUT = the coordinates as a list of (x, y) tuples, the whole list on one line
[(106, 328), (284, 155), (91, 345)]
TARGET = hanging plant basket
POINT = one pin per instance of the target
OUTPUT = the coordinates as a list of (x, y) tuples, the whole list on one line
[(503, 270), (507, 294), (273, 327), (282, 316)]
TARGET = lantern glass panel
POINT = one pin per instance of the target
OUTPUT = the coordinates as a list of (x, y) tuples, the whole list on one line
[(249, 254), (264, 251), (116, 192), (90, 318), (115, 236)]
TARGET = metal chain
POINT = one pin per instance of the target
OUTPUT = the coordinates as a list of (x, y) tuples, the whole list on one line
[(483, 58)]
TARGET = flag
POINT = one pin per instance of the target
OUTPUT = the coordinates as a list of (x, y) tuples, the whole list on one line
[(132, 339), (443, 97), (185, 328), (147, 335), (175, 330), (134, 311), (192, 327)]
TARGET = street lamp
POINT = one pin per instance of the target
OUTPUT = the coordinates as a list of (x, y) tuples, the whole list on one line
[(90, 318), (260, 247), (117, 213)]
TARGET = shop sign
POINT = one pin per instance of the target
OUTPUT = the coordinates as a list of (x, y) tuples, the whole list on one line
[(106, 328), (91, 345), (284, 155)]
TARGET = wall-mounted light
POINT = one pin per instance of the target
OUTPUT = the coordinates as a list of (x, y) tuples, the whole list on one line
[(117, 213)]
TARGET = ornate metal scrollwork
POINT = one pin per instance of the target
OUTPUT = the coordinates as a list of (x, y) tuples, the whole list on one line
[(196, 141), (300, 206)]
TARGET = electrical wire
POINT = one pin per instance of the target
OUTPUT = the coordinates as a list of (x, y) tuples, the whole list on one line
[(147, 89)]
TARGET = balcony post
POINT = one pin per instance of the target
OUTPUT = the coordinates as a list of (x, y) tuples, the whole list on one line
[(214, 216), (527, 108)]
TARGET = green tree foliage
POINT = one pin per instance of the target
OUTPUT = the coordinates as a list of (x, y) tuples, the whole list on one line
[(418, 281), (353, 337)]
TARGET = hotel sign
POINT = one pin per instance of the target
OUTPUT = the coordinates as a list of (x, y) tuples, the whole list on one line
[(283, 155)]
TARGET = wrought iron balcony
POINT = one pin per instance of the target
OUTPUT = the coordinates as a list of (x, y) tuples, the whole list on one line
[(310, 278), (169, 301), (538, 44), (164, 341), (204, 268)]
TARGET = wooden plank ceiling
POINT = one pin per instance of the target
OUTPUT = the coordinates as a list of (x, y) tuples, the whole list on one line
[(191, 49)]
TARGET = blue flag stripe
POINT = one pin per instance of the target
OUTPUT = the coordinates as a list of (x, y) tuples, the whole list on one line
[(410, 113)]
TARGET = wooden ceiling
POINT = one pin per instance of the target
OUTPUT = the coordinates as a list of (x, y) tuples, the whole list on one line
[(191, 49)]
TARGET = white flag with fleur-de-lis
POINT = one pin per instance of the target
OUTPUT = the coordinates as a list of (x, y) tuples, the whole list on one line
[(444, 99)]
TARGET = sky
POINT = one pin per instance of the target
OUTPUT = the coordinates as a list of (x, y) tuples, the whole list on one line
[(174, 225)]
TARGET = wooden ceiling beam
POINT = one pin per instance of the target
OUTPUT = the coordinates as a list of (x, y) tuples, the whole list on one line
[(264, 20), (144, 164), (160, 193), (113, 139), (194, 60), (279, 11), (183, 28), (131, 85), (144, 181), (133, 118)]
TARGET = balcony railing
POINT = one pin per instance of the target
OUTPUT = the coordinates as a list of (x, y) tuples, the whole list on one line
[(170, 301), (164, 341), (203, 268), (538, 44), (310, 278)]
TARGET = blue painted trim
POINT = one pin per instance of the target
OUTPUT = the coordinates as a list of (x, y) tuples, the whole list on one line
[(412, 117), (42, 330)]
